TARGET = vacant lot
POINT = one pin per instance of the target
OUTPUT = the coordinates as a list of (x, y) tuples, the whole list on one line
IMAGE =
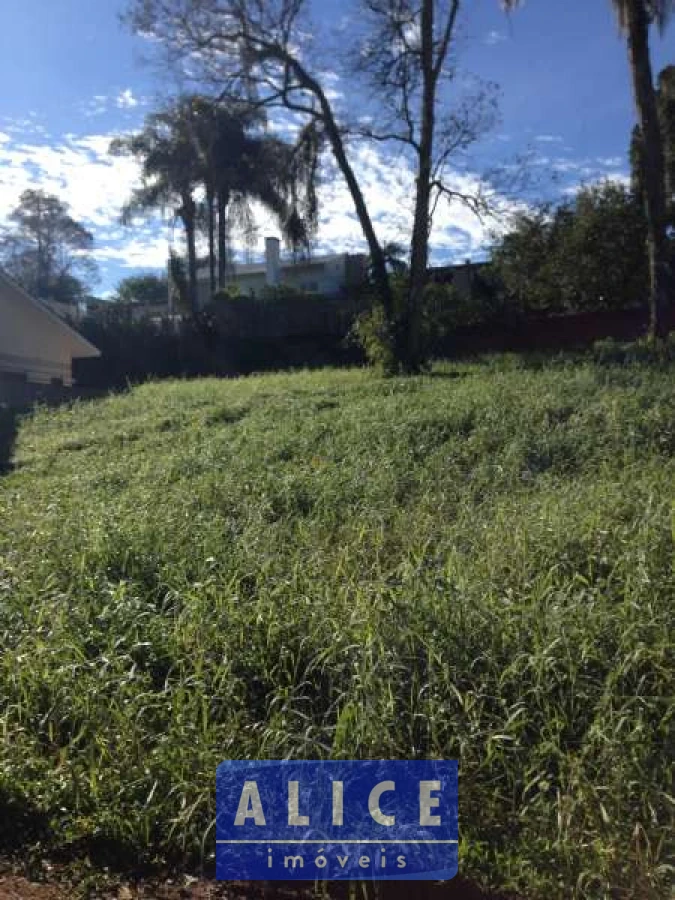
[(475, 565)]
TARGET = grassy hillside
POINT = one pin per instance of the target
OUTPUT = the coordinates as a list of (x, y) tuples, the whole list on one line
[(475, 565)]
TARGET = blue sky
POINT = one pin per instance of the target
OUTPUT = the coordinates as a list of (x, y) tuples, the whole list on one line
[(74, 78)]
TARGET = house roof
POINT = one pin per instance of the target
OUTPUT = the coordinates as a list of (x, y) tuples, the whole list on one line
[(80, 346)]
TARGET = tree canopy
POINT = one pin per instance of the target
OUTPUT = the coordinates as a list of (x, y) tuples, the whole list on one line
[(587, 253), (47, 251), (142, 290)]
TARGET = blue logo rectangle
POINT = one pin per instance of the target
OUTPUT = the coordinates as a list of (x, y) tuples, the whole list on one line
[(329, 820)]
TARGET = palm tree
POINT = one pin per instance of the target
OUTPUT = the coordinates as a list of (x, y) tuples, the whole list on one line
[(205, 138), (195, 144), (635, 18), (256, 167), (665, 104), (238, 167), (169, 177), (217, 131)]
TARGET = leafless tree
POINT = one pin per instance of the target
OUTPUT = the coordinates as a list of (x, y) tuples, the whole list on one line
[(408, 61)]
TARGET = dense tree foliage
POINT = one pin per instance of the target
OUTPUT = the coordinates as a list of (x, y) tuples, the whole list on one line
[(142, 290), (588, 253)]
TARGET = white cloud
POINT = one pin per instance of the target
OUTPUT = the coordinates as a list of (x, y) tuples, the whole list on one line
[(286, 125), (612, 162), (573, 189), (570, 174), (329, 76), (24, 125), (98, 105), (80, 171), (388, 187), (126, 99), (494, 37), (548, 138), (140, 250), (333, 94), (412, 33)]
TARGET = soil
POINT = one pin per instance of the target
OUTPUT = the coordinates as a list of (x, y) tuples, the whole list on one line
[(16, 887)]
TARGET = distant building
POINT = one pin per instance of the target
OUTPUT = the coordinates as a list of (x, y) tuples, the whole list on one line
[(35, 344), (327, 275), (464, 276)]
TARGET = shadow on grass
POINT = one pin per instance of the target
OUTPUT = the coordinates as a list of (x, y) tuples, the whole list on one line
[(457, 889), (448, 375), (21, 825), (27, 840), (9, 420)]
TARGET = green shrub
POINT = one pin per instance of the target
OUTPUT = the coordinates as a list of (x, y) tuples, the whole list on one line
[(372, 333), (445, 308), (227, 294), (647, 351), (287, 292), (375, 335)]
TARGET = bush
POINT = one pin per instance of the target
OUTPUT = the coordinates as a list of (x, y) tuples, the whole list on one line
[(445, 308), (278, 292), (136, 352), (645, 350), (227, 294), (287, 292), (587, 254), (372, 334)]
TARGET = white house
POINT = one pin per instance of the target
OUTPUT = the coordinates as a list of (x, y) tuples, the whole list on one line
[(328, 275), (35, 344)]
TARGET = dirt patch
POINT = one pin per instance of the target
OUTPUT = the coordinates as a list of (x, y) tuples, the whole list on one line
[(14, 887)]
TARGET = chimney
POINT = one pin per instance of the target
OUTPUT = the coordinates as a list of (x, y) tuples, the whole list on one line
[(272, 261)]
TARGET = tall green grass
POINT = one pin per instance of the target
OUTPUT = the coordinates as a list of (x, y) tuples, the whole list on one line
[(475, 565)]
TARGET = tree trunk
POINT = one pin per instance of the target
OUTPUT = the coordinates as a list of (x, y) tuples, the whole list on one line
[(223, 201), (377, 257), (190, 237), (210, 204), (409, 329), (40, 273), (654, 168)]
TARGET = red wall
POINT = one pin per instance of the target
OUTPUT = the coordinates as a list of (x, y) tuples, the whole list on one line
[(554, 332)]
